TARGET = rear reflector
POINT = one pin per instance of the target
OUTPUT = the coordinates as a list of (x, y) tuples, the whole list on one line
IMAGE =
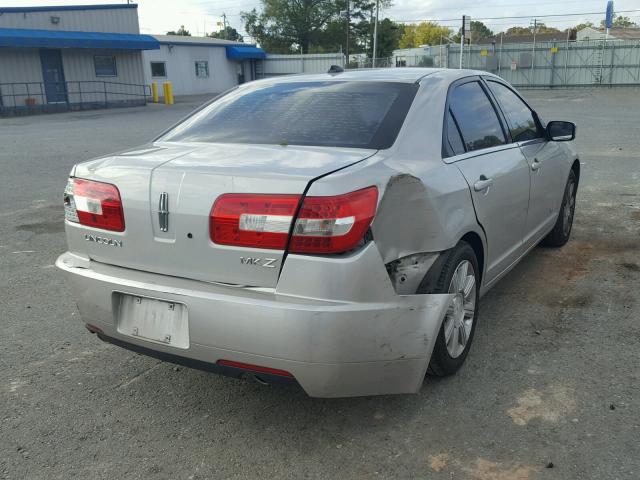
[(94, 204), (253, 368), (324, 224)]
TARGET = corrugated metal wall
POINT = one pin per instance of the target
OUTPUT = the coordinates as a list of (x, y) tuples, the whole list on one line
[(117, 20), (551, 64), (180, 67), (22, 66), (275, 65), (79, 66)]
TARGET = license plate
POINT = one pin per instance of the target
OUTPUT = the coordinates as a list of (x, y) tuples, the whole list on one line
[(153, 320)]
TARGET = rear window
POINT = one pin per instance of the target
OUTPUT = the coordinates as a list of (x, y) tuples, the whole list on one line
[(338, 114)]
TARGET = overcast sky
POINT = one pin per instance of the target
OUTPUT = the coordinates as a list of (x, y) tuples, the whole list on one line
[(198, 16)]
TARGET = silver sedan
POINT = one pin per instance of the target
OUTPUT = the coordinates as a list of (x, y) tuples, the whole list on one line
[(336, 231)]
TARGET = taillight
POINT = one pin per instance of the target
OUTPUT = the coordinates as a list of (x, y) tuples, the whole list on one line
[(94, 204), (334, 224), (250, 220), (324, 224)]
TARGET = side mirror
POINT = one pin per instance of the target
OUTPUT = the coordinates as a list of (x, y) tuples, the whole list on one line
[(561, 131)]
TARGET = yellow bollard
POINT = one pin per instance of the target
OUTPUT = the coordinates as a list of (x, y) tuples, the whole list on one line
[(154, 92), (168, 93)]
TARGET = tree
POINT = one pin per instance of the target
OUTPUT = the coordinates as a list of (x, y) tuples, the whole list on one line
[(518, 31), (227, 33), (478, 30), (620, 21), (540, 28), (580, 26), (181, 31), (389, 34), (573, 31), (283, 25), (425, 33)]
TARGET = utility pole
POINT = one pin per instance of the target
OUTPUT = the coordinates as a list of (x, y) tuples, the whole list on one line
[(533, 55), (348, 28), (375, 35), (462, 40), (224, 25)]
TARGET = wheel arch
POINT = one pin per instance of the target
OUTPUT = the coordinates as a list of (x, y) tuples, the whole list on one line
[(478, 246), (575, 167)]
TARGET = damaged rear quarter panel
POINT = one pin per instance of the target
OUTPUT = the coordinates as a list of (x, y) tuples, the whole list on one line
[(424, 204)]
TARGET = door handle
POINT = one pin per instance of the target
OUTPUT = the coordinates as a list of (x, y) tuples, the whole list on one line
[(483, 183), (536, 164)]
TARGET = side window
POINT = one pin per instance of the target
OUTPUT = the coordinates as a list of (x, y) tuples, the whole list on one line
[(158, 69), (521, 122), (453, 136), (105, 66), (202, 69), (476, 117)]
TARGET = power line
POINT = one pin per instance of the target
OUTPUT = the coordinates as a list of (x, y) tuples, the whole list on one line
[(515, 17)]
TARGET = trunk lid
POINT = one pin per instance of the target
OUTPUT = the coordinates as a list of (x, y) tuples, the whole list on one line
[(189, 178)]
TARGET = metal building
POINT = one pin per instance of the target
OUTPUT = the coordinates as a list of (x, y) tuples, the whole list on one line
[(54, 58), (198, 65)]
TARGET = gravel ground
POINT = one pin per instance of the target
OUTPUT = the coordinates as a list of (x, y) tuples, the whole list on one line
[(550, 389)]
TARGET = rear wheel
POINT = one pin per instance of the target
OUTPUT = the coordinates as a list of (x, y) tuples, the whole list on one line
[(562, 229), (459, 275)]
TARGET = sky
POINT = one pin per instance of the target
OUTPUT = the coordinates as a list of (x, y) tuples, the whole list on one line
[(200, 16)]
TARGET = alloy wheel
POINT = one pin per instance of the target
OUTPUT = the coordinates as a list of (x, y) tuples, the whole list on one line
[(458, 321)]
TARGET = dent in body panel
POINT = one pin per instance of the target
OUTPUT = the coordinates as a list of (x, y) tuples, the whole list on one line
[(414, 218)]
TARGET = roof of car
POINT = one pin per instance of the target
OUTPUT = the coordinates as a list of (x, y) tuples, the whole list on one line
[(402, 75)]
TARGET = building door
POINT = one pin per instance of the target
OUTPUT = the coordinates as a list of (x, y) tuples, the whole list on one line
[(53, 75), (240, 72)]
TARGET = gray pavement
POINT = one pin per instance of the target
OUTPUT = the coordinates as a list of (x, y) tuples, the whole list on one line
[(552, 378)]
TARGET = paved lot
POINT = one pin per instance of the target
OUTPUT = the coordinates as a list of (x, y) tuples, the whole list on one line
[(552, 378)]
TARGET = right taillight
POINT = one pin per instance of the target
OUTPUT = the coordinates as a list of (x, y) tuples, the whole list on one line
[(334, 224), (94, 204), (331, 224)]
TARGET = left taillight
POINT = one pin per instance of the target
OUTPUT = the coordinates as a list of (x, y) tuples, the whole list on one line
[(94, 204)]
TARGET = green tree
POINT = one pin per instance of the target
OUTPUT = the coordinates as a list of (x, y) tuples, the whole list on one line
[(518, 31), (389, 34), (580, 26), (540, 28), (283, 25), (478, 30), (227, 33), (573, 31), (620, 21), (181, 31), (425, 33)]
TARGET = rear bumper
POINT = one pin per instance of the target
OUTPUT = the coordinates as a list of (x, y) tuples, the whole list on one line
[(356, 337)]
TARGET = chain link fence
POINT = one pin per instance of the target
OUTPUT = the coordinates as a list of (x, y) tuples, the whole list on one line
[(543, 64)]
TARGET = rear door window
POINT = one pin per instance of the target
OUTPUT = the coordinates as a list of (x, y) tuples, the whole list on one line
[(476, 117), (337, 114), (522, 125)]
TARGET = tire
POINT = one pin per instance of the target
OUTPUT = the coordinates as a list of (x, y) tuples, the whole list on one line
[(459, 325), (562, 229)]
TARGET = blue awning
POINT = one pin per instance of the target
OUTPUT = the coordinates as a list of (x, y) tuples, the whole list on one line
[(241, 52), (18, 37)]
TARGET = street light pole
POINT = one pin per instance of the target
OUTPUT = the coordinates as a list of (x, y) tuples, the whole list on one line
[(375, 35)]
